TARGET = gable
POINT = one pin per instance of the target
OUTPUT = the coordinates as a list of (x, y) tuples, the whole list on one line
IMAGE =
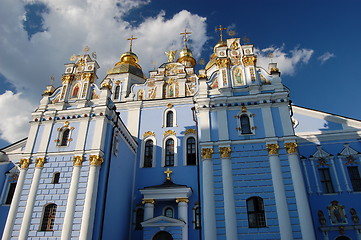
[(313, 121)]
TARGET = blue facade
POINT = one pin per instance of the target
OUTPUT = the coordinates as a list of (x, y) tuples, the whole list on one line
[(217, 155)]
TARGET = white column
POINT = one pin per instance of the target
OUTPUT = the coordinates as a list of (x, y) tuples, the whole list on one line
[(303, 206), (31, 199), (344, 175), (87, 221), (209, 214), (306, 175), (16, 199), (280, 194), (183, 215), (228, 195), (315, 175), (336, 177), (72, 195), (148, 208)]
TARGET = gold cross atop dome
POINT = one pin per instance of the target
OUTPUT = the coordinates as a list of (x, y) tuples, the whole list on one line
[(168, 172), (185, 33), (131, 42), (220, 29)]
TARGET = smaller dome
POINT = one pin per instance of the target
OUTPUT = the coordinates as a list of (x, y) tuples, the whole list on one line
[(186, 57), (220, 44), (128, 64)]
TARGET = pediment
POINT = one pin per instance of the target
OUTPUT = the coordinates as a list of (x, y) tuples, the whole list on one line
[(163, 221)]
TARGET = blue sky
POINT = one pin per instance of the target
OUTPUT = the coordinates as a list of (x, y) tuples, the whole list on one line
[(317, 44)]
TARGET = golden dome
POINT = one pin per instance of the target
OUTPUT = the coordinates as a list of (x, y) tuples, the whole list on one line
[(220, 44), (128, 64), (186, 56)]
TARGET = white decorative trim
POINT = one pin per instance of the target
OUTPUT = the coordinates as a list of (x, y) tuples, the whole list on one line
[(309, 189), (251, 123), (167, 193), (175, 150)]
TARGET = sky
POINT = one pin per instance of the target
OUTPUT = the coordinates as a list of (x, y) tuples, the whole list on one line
[(317, 45)]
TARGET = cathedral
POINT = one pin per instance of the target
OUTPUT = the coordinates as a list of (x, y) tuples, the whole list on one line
[(221, 153)]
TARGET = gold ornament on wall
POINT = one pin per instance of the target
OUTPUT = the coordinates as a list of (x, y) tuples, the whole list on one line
[(223, 62), (96, 160), (272, 148), (225, 152), (24, 162), (39, 162), (178, 200), (148, 134), (291, 147), (67, 79), (249, 60), (169, 132), (207, 153), (78, 160), (190, 131), (145, 201)]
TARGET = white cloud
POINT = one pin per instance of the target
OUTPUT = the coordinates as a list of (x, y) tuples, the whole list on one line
[(325, 57), (15, 116), (287, 62), (70, 26)]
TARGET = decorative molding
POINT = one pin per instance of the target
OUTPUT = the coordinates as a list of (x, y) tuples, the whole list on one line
[(169, 132), (225, 152), (96, 160), (78, 160), (190, 131), (168, 172), (148, 134), (39, 162), (67, 79), (249, 60), (207, 153), (291, 147), (107, 85), (24, 162), (244, 109), (223, 62), (145, 201), (178, 200), (169, 105), (272, 148)]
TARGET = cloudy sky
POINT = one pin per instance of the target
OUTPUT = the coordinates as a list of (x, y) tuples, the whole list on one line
[(316, 44)]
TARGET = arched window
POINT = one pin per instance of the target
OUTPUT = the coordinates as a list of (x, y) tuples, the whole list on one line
[(255, 211), (162, 235), (148, 154), (168, 212), (56, 177), (191, 151), (117, 92), (75, 91), (169, 152), (197, 217), (169, 119), (47, 223), (139, 217), (245, 124), (65, 137)]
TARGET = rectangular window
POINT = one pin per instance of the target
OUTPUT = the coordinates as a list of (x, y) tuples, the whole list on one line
[(355, 178), (326, 180), (11, 192)]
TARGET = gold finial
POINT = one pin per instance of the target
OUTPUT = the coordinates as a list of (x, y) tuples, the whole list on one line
[(73, 57), (220, 29), (131, 42), (168, 172), (185, 40), (86, 49)]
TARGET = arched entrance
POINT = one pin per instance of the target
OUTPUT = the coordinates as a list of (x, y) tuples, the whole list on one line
[(162, 236), (343, 238)]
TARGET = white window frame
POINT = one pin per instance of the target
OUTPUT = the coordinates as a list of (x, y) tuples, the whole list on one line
[(185, 148), (175, 150), (165, 117), (168, 206), (251, 123), (7, 184), (142, 153)]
